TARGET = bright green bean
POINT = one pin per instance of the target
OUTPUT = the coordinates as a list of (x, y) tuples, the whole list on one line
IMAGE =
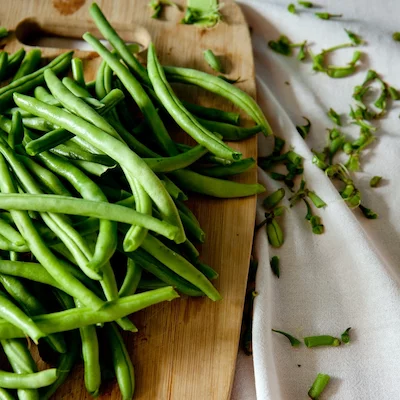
[(10, 233), (222, 88), (228, 170), (77, 317), (10, 380), (4, 395), (138, 94), (7, 245), (28, 82), (29, 64), (212, 60), (181, 116), (82, 93), (209, 272), (3, 64), (14, 61), (228, 131), (116, 149), (43, 95), (77, 71), (175, 192), (132, 278), (215, 187), (179, 265), (13, 110), (192, 228), (17, 130), (38, 124)]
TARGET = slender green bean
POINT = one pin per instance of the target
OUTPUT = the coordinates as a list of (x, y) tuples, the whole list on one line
[(138, 94), (212, 60), (179, 265), (151, 284), (39, 124), (116, 149), (182, 116), (209, 272), (91, 167), (219, 86), (13, 110), (228, 170), (77, 71), (3, 64), (131, 280), (183, 208), (28, 82), (175, 192), (7, 245), (192, 228), (215, 187), (4, 395), (82, 93), (42, 253), (121, 361), (21, 362), (42, 94), (36, 380), (77, 317), (10, 233), (90, 353), (14, 61), (29, 64), (17, 130), (228, 131)]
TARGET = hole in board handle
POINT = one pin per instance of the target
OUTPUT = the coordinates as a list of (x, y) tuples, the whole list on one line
[(64, 35)]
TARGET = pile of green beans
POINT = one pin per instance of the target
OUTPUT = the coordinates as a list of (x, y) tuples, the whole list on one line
[(93, 221)]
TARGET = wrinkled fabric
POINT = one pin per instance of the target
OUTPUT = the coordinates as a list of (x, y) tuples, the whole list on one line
[(349, 276)]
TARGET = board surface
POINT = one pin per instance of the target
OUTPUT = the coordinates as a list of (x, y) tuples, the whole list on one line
[(186, 349)]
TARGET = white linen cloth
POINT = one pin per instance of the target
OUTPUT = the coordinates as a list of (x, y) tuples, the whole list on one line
[(349, 276)]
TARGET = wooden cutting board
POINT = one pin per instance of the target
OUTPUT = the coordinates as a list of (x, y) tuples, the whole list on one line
[(186, 349)]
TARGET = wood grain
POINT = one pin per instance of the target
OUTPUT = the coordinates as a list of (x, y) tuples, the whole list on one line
[(186, 349)]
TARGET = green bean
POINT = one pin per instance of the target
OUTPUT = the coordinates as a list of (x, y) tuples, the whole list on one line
[(228, 131), (183, 160), (3, 64), (31, 307), (38, 124), (192, 228), (77, 71), (190, 251), (10, 312), (28, 82), (21, 362), (4, 395), (117, 150), (131, 280), (42, 253), (119, 45), (90, 353), (49, 180), (99, 81), (122, 109), (17, 130), (212, 114), (158, 269), (209, 272), (175, 192), (59, 136), (14, 61), (10, 380), (212, 60), (186, 210), (65, 363), (82, 93), (222, 88), (66, 233), (180, 266), (215, 187), (181, 116), (122, 363), (139, 95), (7, 245), (151, 284), (29, 64), (13, 110), (228, 170), (91, 167), (77, 317), (107, 239), (10, 233), (87, 208), (42, 94)]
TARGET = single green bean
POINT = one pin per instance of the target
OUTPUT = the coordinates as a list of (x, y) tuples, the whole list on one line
[(228, 170), (121, 361), (151, 284), (212, 60), (139, 95), (182, 116), (91, 167), (77, 71), (38, 124), (7, 245), (10, 380), (183, 208), (29, 64), (192, 228), (77, 317), (14, 61), (175, 192), (180, 266), (228, 131), (222, 88), (4, 395), (119, 45), (209, 272), (82, 93), (212, 114), (215, 187), (13, 110), (10, 233), (131, 280), (116, 149), (21, 362), (90, 354), (28, 82), (3, 64), (42, 94), (17, 130), (42, 253), (183, 160)]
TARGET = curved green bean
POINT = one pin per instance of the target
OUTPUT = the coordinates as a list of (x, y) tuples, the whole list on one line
[(228, 170), (180, 265), (14, 61), (131, 280), (10, 233), (215, 187), (28, 82), (181, 116), (77, 71), (29, 64), (36, 380), (219, 86), (77, 317), (116, 149)]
